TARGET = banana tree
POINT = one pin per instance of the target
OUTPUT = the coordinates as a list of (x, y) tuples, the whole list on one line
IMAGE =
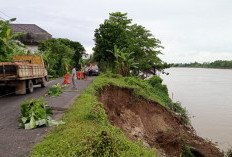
[(8, 45), (124, 61)]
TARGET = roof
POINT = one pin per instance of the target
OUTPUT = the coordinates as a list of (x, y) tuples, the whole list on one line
[(33, 34), (29, 28)]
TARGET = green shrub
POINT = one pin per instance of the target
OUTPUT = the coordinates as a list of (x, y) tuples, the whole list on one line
[(156, 81)]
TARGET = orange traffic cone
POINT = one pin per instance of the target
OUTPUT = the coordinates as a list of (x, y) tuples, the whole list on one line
[(66, 79), (82, 75), (78, 75)]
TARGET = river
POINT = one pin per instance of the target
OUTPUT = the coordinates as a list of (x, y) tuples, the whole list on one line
[(207, 95)]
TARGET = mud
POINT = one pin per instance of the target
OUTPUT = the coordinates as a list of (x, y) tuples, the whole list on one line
[(152, 123)]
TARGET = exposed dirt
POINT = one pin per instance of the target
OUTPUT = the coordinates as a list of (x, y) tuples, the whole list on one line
[(149, 121)]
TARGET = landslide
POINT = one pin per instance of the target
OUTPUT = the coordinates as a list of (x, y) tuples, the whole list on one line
[(152, 123)]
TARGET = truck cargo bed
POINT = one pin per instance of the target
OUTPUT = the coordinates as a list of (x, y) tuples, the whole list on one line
[(21, 71)]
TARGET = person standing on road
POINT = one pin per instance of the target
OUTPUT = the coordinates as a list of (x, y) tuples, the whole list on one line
[(86, 73), (90, 70), (74, 76)]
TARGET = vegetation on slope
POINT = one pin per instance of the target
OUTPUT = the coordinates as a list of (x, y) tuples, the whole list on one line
[(88, 132)]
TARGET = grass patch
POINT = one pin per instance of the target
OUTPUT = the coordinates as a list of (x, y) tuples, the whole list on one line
[(88, 132)]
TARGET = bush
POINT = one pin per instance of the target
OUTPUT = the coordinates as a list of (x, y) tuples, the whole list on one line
[(156, 81)]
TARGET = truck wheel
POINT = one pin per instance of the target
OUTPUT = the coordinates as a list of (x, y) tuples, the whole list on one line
[(30, 87), (44, 83)]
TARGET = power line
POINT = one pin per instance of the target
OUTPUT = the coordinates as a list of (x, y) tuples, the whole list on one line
[(11, 18), (2, 18), (5, 14)]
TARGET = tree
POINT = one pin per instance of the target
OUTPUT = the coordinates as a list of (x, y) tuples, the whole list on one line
[(124, 61), (79, 50), (118, 30), (146, 49), (56, 55), (9, 47), (114, 31)]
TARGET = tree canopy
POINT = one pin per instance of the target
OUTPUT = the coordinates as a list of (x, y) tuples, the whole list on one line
[(119, 30), (60, 52)]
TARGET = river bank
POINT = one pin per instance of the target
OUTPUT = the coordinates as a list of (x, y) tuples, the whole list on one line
[(91, 129)]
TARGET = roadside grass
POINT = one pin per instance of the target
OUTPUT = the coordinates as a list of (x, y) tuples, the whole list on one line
[(88, 132)]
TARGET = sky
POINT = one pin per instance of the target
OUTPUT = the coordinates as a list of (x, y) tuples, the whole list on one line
[(190, 30)]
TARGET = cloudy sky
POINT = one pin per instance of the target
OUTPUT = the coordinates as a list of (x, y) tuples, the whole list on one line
[(190, 30)]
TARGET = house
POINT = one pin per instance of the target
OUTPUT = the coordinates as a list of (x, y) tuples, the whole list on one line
[(32, 36)]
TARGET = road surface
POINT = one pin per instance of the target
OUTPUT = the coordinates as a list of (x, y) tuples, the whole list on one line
[(18, 142)]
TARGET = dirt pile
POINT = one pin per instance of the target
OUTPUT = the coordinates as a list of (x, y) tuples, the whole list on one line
[(149, 121)]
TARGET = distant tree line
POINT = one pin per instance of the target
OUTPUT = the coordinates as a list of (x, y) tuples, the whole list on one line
[(220, 64)]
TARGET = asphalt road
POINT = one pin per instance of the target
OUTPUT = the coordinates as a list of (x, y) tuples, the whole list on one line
[(18, 142)]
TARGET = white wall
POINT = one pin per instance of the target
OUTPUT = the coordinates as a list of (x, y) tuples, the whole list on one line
[(32, 48)]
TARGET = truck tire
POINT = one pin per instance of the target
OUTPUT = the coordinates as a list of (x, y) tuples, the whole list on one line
[(44, 83), (30, 87)]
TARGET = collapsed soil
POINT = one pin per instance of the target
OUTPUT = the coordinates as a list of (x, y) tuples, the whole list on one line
[(152, 123)]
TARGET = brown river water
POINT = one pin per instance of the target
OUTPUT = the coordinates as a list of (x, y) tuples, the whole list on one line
[(207, 95)]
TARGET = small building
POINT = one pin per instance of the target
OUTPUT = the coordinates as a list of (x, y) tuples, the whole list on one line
[(32, 36)]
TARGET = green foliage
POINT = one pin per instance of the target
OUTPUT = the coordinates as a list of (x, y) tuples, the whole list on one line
[(9, 47), (118, 30), (55, 90), (221, 64), (79, 50), (124, 61), (114, 31), (34, 112), (156, 81), (58, 52)]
